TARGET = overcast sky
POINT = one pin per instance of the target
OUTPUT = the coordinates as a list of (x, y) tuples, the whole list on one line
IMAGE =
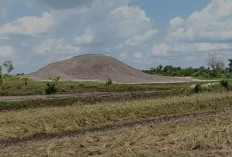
[(141, 33)]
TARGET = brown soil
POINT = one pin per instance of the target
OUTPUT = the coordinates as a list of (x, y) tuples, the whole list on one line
[(99, 68)]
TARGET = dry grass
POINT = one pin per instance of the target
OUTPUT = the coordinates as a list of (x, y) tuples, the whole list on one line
[(205, 137), (27, 123)]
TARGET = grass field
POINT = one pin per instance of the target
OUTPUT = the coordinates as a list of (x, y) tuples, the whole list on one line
[(15, 86), (202, 137), (115, 92), (88, 99), (50, 127), (28, 123)]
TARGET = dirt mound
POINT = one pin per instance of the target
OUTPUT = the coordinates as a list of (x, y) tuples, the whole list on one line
[(98, 68)]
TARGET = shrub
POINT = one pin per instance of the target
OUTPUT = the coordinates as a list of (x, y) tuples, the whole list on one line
[(109, 82), (197, 88), (225, 84), (51, 88)]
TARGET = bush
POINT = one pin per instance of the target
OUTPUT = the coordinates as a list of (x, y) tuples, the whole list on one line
[(51, 88), (72, 87), (225, 84), (109, 82), (197, 88)]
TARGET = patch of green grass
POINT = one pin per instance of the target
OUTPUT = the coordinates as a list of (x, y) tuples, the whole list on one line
[(15, 86)]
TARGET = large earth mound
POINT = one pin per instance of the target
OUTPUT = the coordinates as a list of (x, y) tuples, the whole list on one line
[(98, 68)]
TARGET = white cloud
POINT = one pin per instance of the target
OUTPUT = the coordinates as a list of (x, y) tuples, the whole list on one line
[(160, 49), (81, 28), (127, 13), (105, 28), (164, 49), (115, 22), (211, 24), (6, 51), (27, 26), (131, 20), (140, 39), (56, 46), (85, 39), (138, 55), (123, 56), (207, 47), (208, 30), (175, 22)]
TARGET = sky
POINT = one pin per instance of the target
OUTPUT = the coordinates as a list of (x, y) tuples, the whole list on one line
[(141, 33)]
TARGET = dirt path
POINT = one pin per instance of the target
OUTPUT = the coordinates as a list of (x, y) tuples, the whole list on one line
[(48, 137), (77, 95), (57, 96)]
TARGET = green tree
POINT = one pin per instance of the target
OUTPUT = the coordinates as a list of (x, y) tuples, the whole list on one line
[(56, 79), (9, 66), (51, 88)]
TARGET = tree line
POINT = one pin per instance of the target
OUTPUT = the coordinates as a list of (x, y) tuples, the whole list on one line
[(216, 69)]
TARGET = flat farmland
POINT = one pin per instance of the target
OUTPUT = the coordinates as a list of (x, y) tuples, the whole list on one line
[(51, 129)]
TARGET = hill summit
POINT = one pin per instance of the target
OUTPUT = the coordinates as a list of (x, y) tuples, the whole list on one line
[(98, 68)]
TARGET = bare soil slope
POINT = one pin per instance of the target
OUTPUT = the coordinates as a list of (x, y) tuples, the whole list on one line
[(98, 68)]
